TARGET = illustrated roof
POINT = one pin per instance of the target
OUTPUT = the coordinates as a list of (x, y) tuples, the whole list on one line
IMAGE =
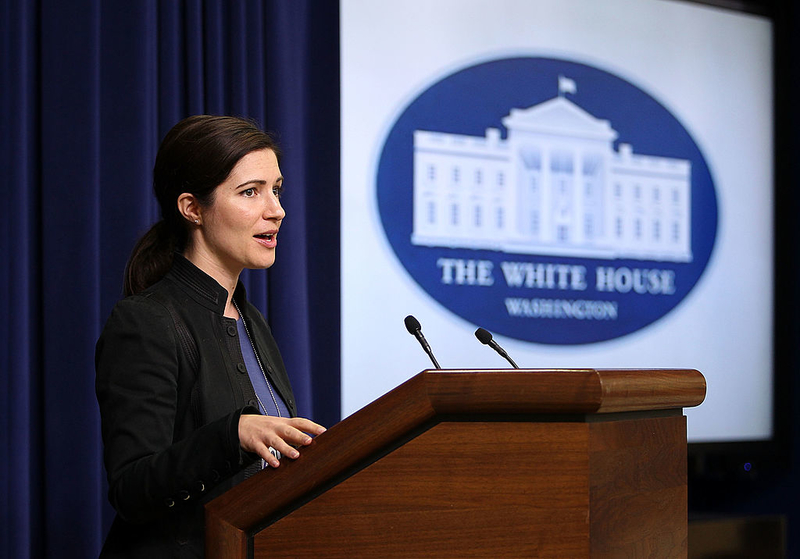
[(559, 116)]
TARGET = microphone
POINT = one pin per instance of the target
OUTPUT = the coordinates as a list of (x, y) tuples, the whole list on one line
[(485, 337), (414, 328)]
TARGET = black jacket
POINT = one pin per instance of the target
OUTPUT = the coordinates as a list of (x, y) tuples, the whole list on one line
[(170, 428)]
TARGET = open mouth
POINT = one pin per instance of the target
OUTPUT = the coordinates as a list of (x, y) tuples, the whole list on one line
[(269, 240)]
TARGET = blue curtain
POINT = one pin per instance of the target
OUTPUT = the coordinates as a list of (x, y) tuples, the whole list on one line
[(88, 88)]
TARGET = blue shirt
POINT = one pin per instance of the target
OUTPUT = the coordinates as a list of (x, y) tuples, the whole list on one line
[(265, 392)]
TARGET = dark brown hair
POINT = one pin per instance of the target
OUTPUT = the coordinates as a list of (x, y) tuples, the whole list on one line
[(196, 156)]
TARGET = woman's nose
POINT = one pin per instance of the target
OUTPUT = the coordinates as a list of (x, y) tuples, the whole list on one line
[(274, 209)]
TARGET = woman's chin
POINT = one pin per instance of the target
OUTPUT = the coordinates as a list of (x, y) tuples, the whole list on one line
[(261, 264)]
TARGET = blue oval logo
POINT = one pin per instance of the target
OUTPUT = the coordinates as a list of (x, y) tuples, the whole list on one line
[(547, 200)]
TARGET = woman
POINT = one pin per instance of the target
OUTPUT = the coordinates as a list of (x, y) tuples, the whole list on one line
[(193, 392)]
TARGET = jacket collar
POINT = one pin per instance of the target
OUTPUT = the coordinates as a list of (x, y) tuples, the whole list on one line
[(201, 287)]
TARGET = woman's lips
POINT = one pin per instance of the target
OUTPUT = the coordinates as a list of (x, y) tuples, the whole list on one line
[(269, 240)]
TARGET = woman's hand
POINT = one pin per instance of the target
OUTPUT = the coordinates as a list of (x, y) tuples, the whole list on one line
[(257, 433)]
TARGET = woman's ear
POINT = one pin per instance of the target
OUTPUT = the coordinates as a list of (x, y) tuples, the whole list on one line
[(189, 208)]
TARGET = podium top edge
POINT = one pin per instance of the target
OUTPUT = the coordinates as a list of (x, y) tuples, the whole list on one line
[(579, 390)]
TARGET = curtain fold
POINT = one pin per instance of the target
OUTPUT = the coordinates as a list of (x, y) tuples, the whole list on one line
[(88, 90), (70, 184), (286, 111), (21, 436)]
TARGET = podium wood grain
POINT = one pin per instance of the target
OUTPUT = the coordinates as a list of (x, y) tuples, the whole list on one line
[(536, 463)]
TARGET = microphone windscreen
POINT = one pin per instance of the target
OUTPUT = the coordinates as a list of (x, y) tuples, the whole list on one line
[(412, 325), (484, 336)]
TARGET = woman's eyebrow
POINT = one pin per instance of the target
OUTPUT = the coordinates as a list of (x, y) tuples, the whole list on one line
[(252, 181), (279, 180)]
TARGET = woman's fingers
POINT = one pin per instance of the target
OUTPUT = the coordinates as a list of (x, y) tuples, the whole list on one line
[(267, 456), (306, 425), (259, 433)]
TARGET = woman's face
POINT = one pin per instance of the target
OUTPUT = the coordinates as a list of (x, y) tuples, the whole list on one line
[(240, 228)]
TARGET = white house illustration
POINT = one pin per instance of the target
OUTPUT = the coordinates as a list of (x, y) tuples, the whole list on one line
[(554, 186)]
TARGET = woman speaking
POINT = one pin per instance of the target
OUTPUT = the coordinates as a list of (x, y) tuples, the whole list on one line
[(193, 392)]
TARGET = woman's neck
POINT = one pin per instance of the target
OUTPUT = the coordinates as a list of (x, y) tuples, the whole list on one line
[(227, 278)]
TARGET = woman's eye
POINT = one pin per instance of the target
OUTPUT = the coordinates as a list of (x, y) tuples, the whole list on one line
[(277, 191), (249, 192)]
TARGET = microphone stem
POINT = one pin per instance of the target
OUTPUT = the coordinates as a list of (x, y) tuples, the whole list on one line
[(495, 346), (423, 342), (511, 361)]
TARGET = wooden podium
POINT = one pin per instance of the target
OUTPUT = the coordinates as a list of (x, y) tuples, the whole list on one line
[(481, 463)]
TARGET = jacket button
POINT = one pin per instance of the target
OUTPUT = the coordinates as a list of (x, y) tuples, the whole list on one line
[(241, 367), (184, 495), (169, 503), (252, 403), (200, 486), (231, 331)]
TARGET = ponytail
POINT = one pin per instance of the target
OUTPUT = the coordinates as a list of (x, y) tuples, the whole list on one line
[(151, 258)]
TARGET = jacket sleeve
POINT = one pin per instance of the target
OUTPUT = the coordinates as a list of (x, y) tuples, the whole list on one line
[(137, 365)]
